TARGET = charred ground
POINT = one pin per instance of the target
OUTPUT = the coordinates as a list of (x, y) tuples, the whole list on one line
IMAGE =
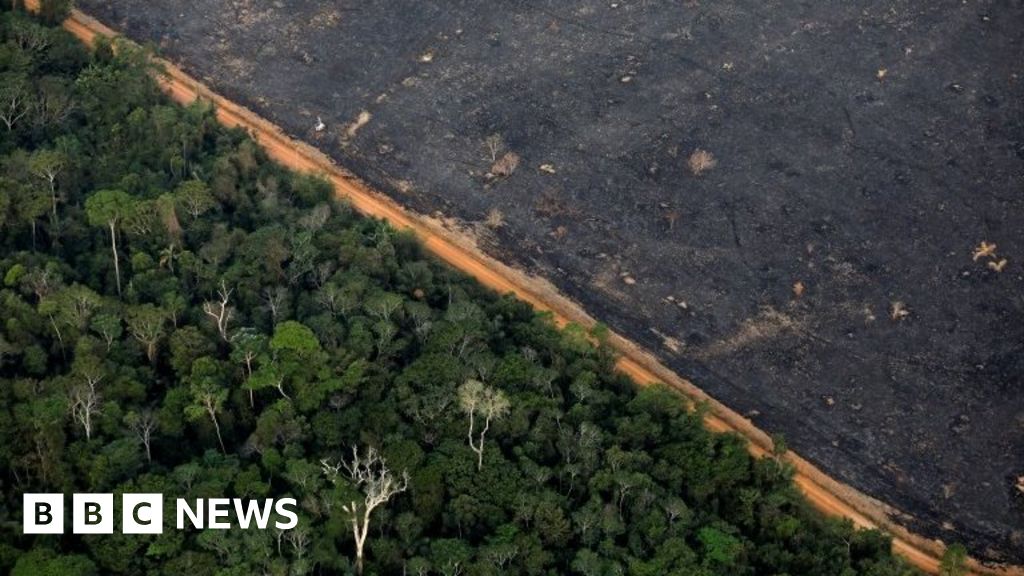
[(863, 153)]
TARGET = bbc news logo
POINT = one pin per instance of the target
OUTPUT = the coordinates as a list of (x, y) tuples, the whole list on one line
[(144, 513)]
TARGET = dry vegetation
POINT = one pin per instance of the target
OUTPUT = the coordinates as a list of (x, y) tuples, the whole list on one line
[(550, 205), (505, 166), (495, 144), (988, 250), (700, 162), (495, 219)]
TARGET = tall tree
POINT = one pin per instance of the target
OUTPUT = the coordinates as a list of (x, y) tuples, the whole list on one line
[(47, 165), (209, 393), (220, 310), (146, 324), (15, 98), (107, 208), (370, 474), (30, 205), (84, 404), (247, 344), (142, 423), (194, 197), (475, 399)]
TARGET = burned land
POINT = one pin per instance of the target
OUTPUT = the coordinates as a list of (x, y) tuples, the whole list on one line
[(813, 210)]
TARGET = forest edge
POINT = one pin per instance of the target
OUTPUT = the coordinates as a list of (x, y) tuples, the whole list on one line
[(824, 493)]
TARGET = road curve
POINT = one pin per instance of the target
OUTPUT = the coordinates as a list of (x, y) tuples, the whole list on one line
[(825, 493)]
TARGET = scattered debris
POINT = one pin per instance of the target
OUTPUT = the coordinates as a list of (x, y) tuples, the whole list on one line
[(998, 266), (701, 161), (1020, 483), (948, 490), (984, 249), (671, 216), (727, 66), (626, 79), (899, 311), (629, 280), (362, 120), (559, 232), (320, 126), (869, 314), (495, 219), (547, 168), (427, 57), (505, 166), (798, 289), (988, 250), (768, 324), (403, 186), (882, 73), (550, 204), (673, 344)]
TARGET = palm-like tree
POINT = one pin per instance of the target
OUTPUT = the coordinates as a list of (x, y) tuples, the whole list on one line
[(168, 255)]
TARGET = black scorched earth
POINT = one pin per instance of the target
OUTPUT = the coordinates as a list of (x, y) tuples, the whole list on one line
[(820, 267)]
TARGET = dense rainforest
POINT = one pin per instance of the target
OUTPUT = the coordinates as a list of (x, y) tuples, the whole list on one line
[(182, 316)]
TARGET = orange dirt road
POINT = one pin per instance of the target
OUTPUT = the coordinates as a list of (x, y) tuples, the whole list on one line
[(825, 493)]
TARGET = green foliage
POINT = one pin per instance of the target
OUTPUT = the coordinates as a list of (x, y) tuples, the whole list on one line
[(54, 11), (46, 563), (953, 561), (107, 207), (329, 331)]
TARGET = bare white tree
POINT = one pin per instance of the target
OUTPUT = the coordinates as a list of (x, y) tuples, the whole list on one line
[(368, 472), (383, 306), (278, 382), (300, 541), (500, 555), (31, 38), (494, 144), (220, 311), (84, 403), (52, 106), (475, 399), (142, 424), (14, 101), (273, 300), (47, 165), (84, 398)]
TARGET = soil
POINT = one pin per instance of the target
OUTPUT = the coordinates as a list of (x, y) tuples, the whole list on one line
[(820, 277)]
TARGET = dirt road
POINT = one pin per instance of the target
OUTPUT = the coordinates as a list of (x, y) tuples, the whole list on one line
[(825, 493)]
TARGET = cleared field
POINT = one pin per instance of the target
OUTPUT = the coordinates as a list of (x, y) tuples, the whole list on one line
[(822, 277)]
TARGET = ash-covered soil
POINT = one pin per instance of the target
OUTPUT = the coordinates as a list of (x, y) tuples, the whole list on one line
[(820, 278)]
